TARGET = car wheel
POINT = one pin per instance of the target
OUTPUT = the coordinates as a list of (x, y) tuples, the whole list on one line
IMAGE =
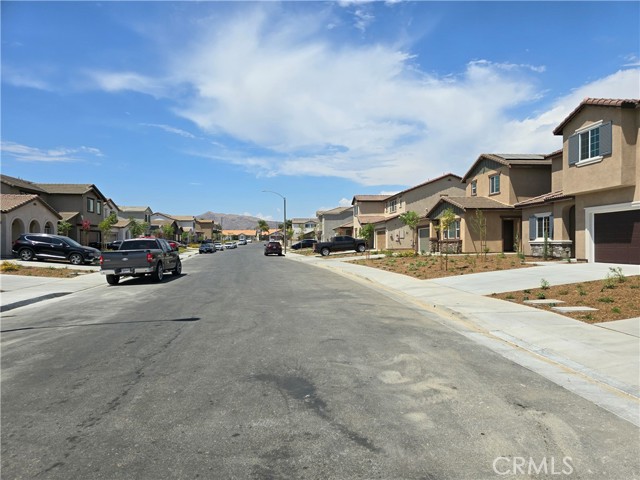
[(325, 252), (178, 270), (76, 259), (26, 254), (113, 279), (360, 248), (158, 275)]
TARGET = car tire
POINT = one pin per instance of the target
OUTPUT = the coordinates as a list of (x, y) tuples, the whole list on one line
[(113, 279), (158, 275), (76, 259), (26, 254), (360, 248), (325, 252), (178, 270)]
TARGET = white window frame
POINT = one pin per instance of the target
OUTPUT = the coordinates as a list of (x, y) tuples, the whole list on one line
[(541, 218), (474, 188), (582, 161), (491, 184), (455, 225), (392, 205)]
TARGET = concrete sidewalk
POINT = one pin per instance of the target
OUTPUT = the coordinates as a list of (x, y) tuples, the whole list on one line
[(604, 356)]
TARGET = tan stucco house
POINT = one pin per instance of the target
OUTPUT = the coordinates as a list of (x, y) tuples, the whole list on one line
[(495, 183), (336, 221), (592, 210)]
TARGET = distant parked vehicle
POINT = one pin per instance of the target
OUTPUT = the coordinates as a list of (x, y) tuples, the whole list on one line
[(305, 243), (273, 248), (230, 245), (219, 246), (242, 241), (31, 246), (340, 244), (207, 248), (115, 245)]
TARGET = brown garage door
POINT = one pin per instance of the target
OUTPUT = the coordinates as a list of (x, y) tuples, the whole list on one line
[(617, 237)]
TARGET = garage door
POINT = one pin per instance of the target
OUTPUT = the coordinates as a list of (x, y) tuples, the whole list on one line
[(617, 237)]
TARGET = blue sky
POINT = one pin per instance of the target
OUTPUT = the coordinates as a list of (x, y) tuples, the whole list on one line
[(194, 106)]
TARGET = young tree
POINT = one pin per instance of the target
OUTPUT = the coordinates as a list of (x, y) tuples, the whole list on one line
[(106, 225), (447, 219), (411, 220), (367, 232), (64, 228), (168, 232), (478, 225), (137, 228), (262, 226)]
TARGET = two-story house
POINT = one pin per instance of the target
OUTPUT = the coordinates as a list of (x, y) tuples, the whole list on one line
[(486, 217), (367, 209), (336, 221), (304, 228), (392, 234), (592, 210)]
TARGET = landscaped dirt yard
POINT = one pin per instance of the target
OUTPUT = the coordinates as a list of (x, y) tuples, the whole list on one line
[(11, 268), (615, 298)]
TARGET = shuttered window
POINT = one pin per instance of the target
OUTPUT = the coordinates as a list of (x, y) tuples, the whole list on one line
[(539, 224), (590, 144)]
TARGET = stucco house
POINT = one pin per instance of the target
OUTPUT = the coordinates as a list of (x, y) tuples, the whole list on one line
[(392, 234), (304, 228), (367, 209), (336, 221), (24, 213), (495, 183), (592, 210)]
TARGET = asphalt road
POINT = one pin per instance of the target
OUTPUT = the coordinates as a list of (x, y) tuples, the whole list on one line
[(257, 367)]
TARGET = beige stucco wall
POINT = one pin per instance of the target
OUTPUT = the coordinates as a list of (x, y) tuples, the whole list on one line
[(528, 182), (561, 212), (471, 238), (618, 169), (32, 218)]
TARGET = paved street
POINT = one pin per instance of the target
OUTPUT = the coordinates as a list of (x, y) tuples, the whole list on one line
[(254, 367)]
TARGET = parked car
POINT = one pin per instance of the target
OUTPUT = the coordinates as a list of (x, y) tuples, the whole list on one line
[(340, 244), (273, 248), (30, 246), (305, 243), (230, 245), (242, 242), (115, 245), (207, 248), (219, 246)]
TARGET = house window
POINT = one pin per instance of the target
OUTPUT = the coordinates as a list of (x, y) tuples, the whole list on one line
[(453, 232), (474, 187), (90, 203), (541, 225), (589, 145), (392, 205), (99, 207), (494, 184)]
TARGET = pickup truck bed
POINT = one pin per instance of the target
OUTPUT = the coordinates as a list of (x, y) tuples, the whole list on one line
[(139, 257)]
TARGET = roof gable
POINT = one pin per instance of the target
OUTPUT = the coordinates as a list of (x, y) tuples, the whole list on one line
[(493, 161), (10, 202), (597, 102)]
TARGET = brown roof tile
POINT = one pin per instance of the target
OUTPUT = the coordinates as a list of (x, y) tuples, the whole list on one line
[(9, 202), (19, 183), (547, 197), (597, 102)]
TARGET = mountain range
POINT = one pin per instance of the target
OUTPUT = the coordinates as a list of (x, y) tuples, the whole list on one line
[(230, 221)]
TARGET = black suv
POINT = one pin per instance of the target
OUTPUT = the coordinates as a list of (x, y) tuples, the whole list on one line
[(30, 246)]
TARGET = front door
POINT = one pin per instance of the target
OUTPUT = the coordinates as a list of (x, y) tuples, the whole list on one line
[(507, 235), (381, 240)]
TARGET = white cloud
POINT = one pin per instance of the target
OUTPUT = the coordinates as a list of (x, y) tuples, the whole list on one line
[(170, 129), (366, 113), (24, 153)]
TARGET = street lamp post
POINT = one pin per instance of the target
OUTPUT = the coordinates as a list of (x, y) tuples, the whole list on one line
[(284, 225)]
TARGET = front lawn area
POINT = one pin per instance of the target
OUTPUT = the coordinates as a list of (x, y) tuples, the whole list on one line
[(11, 268), (429, 267), (616, 298)]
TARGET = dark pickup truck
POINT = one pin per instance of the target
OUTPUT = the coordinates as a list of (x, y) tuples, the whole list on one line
[(340, 244), (138, 257)]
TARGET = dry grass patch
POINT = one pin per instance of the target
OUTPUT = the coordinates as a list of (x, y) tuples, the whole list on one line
[(429, 267), (10, 268), (615, 297)]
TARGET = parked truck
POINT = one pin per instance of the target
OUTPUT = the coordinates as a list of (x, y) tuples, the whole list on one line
[(138, 257), (340, 244)]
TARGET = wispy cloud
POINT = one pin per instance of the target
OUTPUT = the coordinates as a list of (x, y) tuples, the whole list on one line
[(170, 129), (24, 153)]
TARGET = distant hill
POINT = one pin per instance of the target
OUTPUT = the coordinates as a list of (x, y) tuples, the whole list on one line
[(235, 222)]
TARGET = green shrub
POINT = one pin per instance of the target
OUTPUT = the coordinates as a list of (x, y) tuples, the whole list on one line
[(544, 284), (616, 310), (606, 300), (541, 296)]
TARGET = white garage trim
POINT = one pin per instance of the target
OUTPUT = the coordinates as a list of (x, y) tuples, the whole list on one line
[(589, 221)]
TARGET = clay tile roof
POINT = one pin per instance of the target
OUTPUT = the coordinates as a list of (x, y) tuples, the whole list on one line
[(597, 102), (333, 211), (509, 159), (9, 202), (19, 183), (370, 198), (547, 197), (365, 219)]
